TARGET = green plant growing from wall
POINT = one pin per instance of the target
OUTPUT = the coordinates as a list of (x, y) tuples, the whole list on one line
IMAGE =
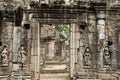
[(63, 29)]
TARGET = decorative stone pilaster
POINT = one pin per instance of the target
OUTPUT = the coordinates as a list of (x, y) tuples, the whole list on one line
[(72, 50), (35, 54), (26, 41), (113, 36), (92, 36), (6, 38), (102, 37), (15, 54)]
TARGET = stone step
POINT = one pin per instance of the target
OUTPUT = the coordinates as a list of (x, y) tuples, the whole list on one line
[(3, 77), (54, 71), (52, 63), (87, 77), (55, 62), (106, 77), (22, 72), (17, 76), (58, 76), (4, 73), (87, 73), (22, 75), (55, 67)]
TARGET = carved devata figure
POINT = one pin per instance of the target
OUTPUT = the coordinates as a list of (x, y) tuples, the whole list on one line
[(106, 56), (87, 58), (23, 55), (5, 56)]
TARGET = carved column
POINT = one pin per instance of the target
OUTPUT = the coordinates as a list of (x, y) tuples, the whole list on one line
[(102, 36), (77, 37), (92, 35), (7, 33), (6, 40), (113, 38), (16, 46), (26, 42), (72, 50), (35, 54), (113, 47), (118, 48)]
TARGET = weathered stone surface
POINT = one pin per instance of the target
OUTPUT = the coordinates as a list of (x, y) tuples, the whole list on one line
[(95, 35), (58, 76), (106, 77)]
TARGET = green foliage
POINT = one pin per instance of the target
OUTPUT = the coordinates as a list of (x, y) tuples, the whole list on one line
[(63, 29)]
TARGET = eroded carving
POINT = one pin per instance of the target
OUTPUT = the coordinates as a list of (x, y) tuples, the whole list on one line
[(23, 54), (106, 56), (5, 56), (87, 57)]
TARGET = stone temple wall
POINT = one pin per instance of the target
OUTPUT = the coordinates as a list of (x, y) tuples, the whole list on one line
[(7, 36)]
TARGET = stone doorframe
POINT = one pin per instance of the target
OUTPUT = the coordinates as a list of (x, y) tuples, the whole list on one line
[(73, 49)]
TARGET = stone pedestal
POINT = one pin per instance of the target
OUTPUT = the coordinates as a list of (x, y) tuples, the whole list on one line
[(51, 51)]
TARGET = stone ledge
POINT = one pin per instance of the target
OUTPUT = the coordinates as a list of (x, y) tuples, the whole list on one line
[(103, 76)]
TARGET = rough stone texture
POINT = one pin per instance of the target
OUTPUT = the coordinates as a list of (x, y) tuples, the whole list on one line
[(35, 54), (16, 46), (51, 50), (106, 77), (87, 37), (6, 40), (7, 34), (57, 76)]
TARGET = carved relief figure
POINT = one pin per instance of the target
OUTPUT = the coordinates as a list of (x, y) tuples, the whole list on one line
[(87, 57), (106, 56), (5, 56), (23, 54)]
